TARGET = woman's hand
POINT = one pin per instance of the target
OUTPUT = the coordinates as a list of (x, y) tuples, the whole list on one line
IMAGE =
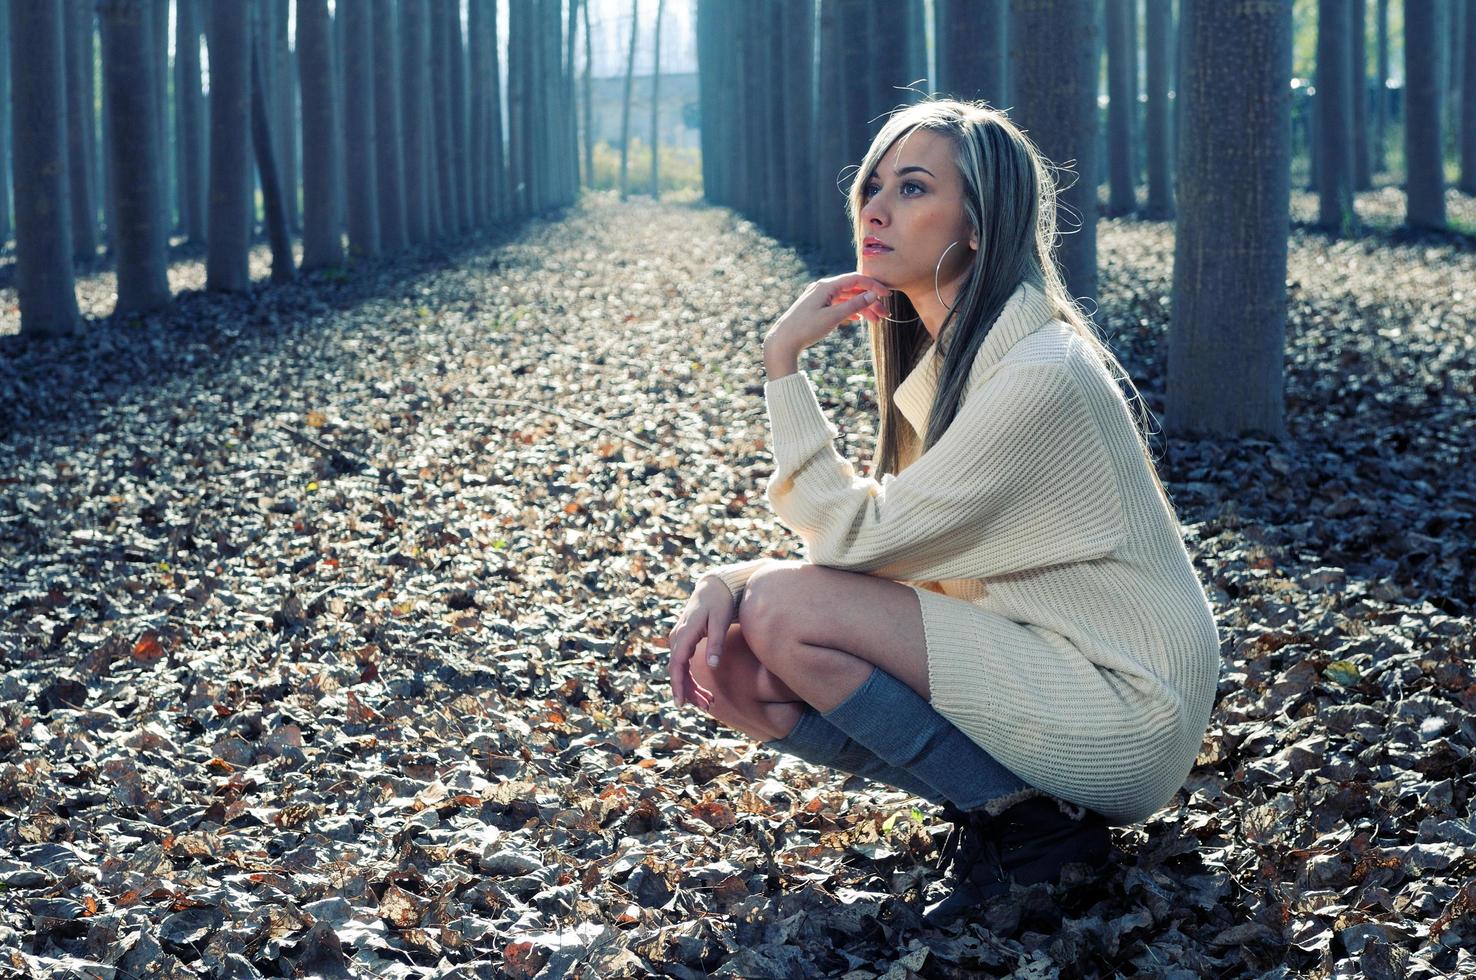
[(824, 305), (709, 612)]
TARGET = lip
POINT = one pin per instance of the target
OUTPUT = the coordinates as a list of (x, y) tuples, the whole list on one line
[(874, 246)]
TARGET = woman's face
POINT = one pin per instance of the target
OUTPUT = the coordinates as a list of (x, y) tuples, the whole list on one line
[(913, 205)]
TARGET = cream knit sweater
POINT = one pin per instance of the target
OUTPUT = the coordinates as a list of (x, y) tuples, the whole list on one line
[(1067, 632)]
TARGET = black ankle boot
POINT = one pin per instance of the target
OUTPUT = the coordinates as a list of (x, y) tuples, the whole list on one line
[(1028, 843)]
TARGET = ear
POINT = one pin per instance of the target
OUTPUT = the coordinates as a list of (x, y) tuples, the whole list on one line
[(973, 244)]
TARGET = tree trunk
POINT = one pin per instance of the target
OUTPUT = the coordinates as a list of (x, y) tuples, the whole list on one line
[(551, 132), (444, 151), (158, 17), (838, 110), (630, 58), (130, 98), (273, 201), (359, 129), (496, 151), (477, 84), (1362, 169), (1227, 335), (1468, 107), (656, 104), (971, 38), (1424, 181), (189, 126), (456, 78), (797, 60), (1054, 81), (519, 16), (322, 238), (1334, 118), (415, 135), (4, 122), (571, 105), (388, 144), (1159, 28), (228, 246), (284, 112), (589, 101), (45, 288), (78, 15), (1122, 105), (1381, 88)]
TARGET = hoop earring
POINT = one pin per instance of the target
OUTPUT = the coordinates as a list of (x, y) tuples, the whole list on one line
[(937, 269)]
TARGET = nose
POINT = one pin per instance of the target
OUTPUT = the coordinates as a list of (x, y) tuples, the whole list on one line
[(872, 213)]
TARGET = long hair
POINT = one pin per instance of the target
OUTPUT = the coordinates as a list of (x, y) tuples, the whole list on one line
[(1010, 200)]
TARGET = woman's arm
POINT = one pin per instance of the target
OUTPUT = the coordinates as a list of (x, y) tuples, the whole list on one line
[(735, 577), (1021, 479)]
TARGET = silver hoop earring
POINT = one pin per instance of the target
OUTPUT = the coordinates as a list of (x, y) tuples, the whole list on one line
[(938, 269)]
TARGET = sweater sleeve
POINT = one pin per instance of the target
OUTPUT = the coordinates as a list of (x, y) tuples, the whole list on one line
[(1021, 479), (735, 577)]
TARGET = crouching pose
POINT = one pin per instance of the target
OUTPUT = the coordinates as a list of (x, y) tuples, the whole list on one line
[(1006, 622)]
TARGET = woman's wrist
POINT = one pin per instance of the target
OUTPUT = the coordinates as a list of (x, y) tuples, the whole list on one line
[(780, 360)]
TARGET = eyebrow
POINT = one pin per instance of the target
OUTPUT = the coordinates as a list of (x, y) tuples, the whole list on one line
[(908, 170)]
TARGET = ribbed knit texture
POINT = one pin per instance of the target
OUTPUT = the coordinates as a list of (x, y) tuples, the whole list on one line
[(1067, 632)]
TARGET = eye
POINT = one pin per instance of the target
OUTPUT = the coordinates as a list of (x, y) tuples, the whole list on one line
[(907, 185)]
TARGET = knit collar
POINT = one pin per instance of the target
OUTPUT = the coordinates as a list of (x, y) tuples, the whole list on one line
[(1026, 310)]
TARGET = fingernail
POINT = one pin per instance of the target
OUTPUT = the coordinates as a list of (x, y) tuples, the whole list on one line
[(870, 296), (712, 661)]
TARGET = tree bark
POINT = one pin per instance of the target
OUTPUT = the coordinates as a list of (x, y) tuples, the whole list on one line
[(589, 101), (414, 59), (456, 77), (4, 122), (1334, 118), (1122, 105), (1424, 181), (571, 106), (322, 230), (971, 38), (444, 147), (262, 141), (45, 288), (1227, 334), (189, 127), (630, 58), (477, 84), (519, 123), (284, 112), (79, 139), (1054, 81), (1159, 28), (388, 144), (1468, 106), (496, 149), (359, 129), (839, 108), (656, 104), (1381, 89), (1362, 166), (130, 98), (227, 253), (798, 119)]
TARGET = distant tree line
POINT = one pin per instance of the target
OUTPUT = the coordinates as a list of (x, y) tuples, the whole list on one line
[(792, 93), (380, 129)]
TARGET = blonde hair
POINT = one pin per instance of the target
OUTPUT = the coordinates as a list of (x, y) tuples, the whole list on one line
[(1010, 201)]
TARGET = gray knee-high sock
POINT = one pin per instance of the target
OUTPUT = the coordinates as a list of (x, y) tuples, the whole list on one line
[(903, 730), (819, 742)]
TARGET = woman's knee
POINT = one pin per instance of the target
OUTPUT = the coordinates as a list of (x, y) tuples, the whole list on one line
[(768, 596)]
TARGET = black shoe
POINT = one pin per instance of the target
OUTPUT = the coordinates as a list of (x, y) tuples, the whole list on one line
[(1029, 843)]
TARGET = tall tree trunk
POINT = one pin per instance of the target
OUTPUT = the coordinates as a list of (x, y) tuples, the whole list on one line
[(415, 135), (227, 253), (4, 122), (971, 38), (477, 84), (46, 290), (456, 77), (496, 150), (1159, 29), (571, 106), (589, 101), (797, 64), (388, 144), (284, 112), (441, 104), (1381, 88), (838, 110), (630, 58), (1227, 335), (519, 45), (189, 126), (322, 235), (79, 143), (130, 98), (656, 104), (1468, 107), (1362, 164), (1424, 181), (1122, 105), (1334, 118), (551, 87), (158, 16), (265, 145), (1054, 82), (359, 129)]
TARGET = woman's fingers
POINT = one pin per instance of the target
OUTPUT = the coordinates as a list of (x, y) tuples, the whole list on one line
[(682, 642)]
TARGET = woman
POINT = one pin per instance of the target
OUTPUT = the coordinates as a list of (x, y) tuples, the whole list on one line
[(1008, 623)]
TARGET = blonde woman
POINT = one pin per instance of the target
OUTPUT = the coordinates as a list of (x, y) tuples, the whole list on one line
[(1004, 619)]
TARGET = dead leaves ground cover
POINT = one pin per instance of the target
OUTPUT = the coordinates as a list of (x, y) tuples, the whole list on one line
[(330, 622)]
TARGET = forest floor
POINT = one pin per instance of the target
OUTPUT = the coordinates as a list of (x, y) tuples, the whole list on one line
[(332, 620)]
